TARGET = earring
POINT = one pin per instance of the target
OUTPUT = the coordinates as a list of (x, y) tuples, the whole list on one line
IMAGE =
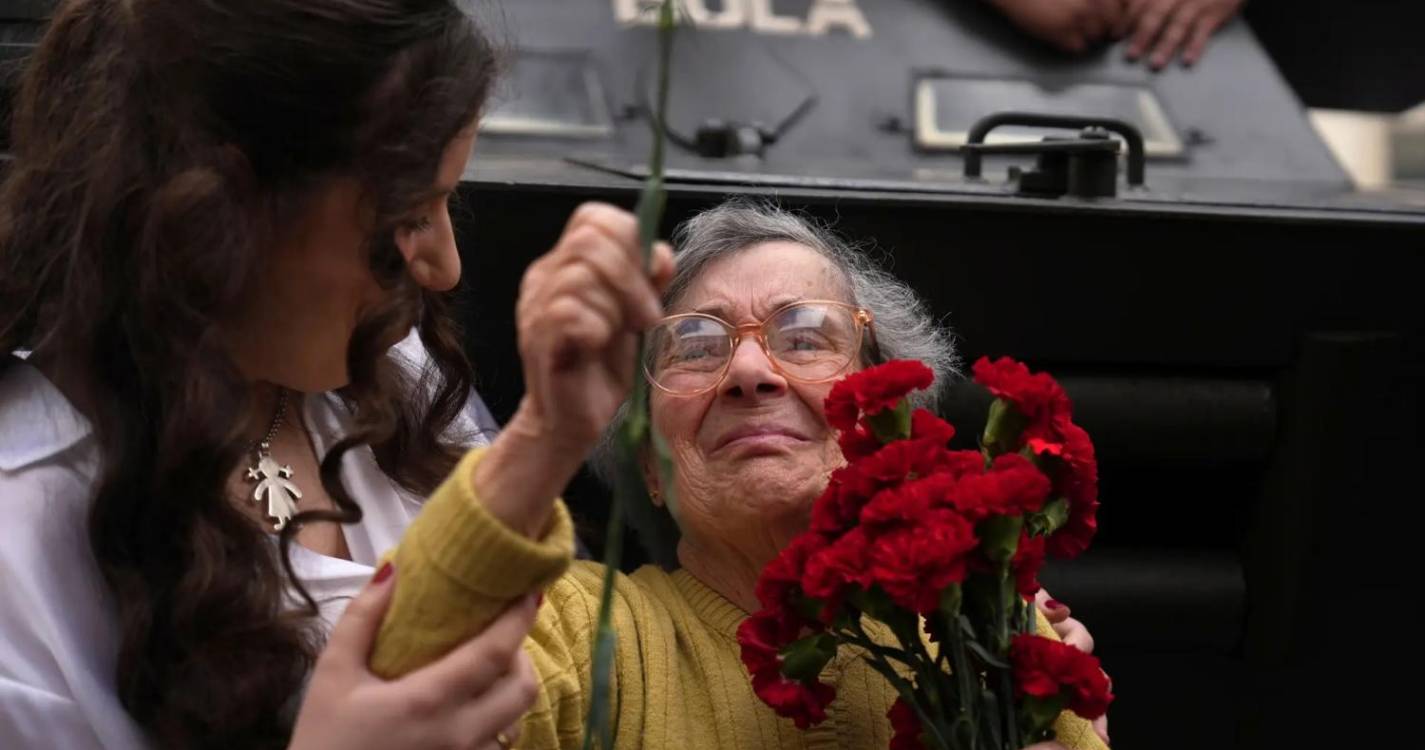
[(655, 495)]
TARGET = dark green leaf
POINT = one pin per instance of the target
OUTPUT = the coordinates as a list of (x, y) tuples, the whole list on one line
[(966, 629), (986, 656)]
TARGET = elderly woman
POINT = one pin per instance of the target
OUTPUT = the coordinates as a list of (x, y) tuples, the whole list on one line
[(738, 397)]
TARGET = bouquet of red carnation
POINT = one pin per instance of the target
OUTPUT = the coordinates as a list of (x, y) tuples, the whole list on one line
[(944, 549)]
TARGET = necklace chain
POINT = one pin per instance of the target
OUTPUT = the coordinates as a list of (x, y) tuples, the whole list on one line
[(265, 445)]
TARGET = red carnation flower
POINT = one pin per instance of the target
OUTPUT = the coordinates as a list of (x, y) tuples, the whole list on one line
[(909, 500), (1046, 668), (841, 408), (803, 702), (874, 390), (782, 577), (905, 725), (1077, 476), (1045, 446), (852, 486), (892, 465), (1037, 396), (927, 426), (838, 565), (1022, 487), (762, 637), (914, 561), (1013, 486), (963, 463), (857, 443), (1026, 564), (840, 503)]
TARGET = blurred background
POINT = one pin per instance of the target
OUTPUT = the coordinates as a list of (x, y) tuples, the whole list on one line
[(1219, 249)]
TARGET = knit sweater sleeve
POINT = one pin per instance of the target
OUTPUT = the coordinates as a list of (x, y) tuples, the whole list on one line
[(457, 568)]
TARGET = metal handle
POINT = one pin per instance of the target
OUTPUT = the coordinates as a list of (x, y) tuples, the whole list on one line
[(982, 128)]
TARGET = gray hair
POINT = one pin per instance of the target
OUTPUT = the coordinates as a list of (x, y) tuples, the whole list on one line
[(903, 324)]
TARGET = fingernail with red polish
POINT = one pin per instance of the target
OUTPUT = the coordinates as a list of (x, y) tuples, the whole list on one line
[(1051, 604), (384, 573)]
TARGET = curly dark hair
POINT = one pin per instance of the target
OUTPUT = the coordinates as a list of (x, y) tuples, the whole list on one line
[(158, 144)]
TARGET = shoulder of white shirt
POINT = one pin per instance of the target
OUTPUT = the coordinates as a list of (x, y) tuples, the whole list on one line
[(36, 421)]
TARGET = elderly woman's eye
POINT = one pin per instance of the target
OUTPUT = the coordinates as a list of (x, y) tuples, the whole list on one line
[(807, 342), (695, 353), (692, 352)]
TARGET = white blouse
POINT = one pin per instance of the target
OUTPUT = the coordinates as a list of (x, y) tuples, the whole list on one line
[(58, 624)]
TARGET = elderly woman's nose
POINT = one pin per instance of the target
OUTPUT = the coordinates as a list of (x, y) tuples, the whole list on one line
[(752, 373)]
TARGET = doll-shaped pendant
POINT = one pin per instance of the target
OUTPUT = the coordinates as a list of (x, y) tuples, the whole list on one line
[(274, 482)]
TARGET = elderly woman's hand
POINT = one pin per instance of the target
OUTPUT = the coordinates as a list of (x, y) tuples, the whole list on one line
[(1069, 630), (580, 308), (1074, 633)]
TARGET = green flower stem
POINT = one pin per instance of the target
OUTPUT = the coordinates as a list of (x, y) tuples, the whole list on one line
[(962, 676), (1011, 721), (629, 487), (1003, 603), (599, 721), (929, 676)]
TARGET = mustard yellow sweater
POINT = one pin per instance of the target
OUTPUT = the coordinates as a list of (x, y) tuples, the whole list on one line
[(678, 679)]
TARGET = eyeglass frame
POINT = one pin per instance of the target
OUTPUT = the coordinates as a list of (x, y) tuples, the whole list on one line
[(864, 325)]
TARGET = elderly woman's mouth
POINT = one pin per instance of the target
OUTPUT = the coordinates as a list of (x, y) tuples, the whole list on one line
[(765, 436)]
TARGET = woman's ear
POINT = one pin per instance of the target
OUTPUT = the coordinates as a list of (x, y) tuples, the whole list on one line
[(650, 478)]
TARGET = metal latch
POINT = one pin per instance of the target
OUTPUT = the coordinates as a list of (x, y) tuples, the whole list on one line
[(1084, 167)]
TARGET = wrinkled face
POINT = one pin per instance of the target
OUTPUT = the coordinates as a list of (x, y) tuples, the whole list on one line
[(752, 454)]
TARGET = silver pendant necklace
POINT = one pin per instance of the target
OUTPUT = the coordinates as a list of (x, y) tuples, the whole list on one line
[(274, 480)]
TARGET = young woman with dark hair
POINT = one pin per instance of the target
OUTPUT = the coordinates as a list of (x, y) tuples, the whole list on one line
[(219, 221)]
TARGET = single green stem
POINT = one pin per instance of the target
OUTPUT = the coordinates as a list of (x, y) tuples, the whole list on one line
[(630, 487), (926, 667), (871, 646), (1002, 600), (1011, 720), (965, 679), (599, 721), (665, 64)]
